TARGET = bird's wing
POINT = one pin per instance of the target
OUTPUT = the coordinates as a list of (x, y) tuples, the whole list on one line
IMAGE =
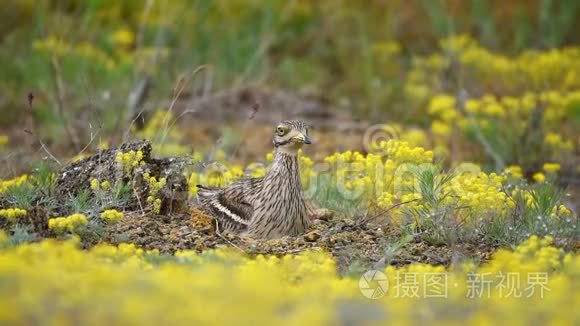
[(232, 206)]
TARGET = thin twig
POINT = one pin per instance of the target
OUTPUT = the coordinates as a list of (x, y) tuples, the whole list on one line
[(498, 160), (59, 97), (141, 34), (385, 211), (126, 133), (179, 87), (43, 146), (254, 110), (138, 200), (93, 137), (217, 232)]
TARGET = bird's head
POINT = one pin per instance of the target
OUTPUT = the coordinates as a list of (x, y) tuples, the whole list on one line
[(289, 136)]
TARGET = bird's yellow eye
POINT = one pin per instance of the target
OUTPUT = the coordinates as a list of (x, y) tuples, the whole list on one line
[(281, 131)]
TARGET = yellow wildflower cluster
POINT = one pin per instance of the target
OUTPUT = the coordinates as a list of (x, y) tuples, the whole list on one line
[(353, 173), (480, 193), (390, 178), (560, 211), (554, 68), (12, 214), (217, 175), (533, 254), (54, 45), (508, 113), (526, 197), (551, 167), (112, 215), (124, 52), (154, 187), (373, 176), (154, 184), (539, 177), (96, 185), (549, 171), (155, 204), (123, 37), (557, 143), (513, 111), (130, 160), (307, 174), (514, 171), (72, 223), (5, 184), (402, 152), (127, 285), (255, 170), (508, 95)]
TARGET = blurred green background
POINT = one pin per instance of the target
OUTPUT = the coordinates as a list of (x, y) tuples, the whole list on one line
[(77, 75)]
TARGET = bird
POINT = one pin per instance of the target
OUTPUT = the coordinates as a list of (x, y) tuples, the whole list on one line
[(267, 207)]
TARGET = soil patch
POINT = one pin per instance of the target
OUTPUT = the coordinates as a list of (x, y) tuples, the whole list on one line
[(366, 245)]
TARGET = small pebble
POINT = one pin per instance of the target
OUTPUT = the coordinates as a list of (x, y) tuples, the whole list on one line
[(312, 236)]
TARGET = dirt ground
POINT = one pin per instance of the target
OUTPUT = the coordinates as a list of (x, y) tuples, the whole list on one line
[(350, 243)]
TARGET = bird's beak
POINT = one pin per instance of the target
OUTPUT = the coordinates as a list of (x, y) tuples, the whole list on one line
[(306, 139)]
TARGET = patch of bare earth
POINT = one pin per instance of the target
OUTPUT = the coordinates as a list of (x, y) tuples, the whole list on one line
[(347, 241)]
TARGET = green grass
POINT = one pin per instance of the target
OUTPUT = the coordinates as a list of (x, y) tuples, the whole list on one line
[(326, 46), (329, 195), (535, 218)]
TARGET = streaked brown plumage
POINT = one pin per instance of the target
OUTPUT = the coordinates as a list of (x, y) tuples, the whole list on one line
[(268, 207)]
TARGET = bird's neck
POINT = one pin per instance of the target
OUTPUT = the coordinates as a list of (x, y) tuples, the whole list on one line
[(285, 166), (281, 207)]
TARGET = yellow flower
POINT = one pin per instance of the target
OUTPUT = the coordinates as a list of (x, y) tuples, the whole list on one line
[(72, 223), (6, 184), (11, 214), (560, 211), (197, 156), (95, 184), (539, 177), (156, 207), (104, 144), (514, 170), (145, 283), (440, 128), (154, 185), (386, 49), (441, 104), (551, 167), (123, 37), (130, 160), (112, 215), (52, 45)]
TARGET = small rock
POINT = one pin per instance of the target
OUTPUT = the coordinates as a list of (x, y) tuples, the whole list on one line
[(312, 236), (299, 241), (199, 247)]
